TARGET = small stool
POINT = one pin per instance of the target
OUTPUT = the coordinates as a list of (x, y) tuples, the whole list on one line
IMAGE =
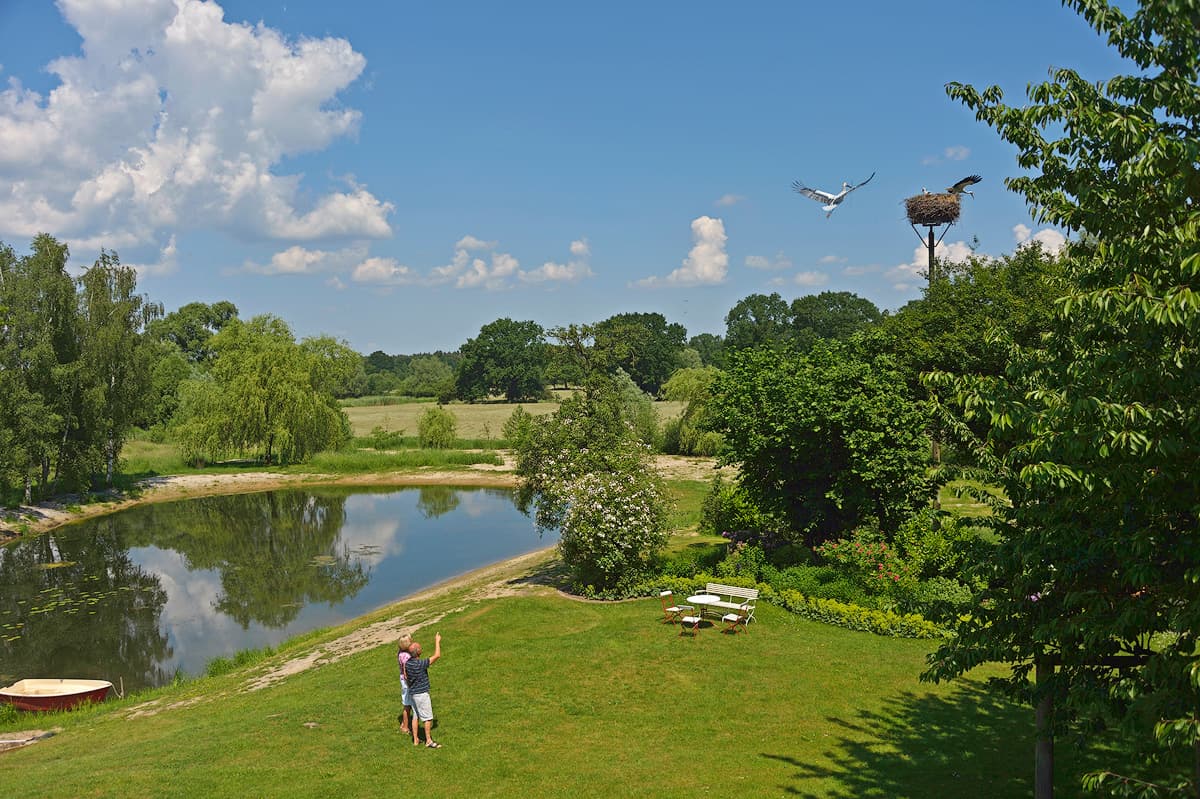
[(692, 622), (733, 621)]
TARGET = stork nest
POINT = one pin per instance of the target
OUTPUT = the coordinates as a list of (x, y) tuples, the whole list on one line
[(933, 209)]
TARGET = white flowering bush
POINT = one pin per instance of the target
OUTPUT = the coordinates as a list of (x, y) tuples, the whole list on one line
[(613, 525)]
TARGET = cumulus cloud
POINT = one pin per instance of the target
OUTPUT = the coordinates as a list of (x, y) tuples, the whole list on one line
[(575, 269), (909, 275), (727, 200), (706, 264), (171, 118), (812, 278), (1051, 240), (856, 271), (297, 260), (832, 259), (166, 264), (383, 272)]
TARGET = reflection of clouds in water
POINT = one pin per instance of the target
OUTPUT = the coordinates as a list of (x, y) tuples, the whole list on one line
[(381, 538), (190, 617), (476, 504)]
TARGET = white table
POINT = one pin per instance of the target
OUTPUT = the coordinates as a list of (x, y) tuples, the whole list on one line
[(703, 600)]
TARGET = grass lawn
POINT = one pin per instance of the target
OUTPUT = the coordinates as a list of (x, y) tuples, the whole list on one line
[(538, 695)]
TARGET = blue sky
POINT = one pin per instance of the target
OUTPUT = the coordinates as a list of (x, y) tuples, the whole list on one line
[(399, 174)]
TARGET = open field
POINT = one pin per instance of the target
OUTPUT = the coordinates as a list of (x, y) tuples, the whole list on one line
[(540, 695), (475, 420)]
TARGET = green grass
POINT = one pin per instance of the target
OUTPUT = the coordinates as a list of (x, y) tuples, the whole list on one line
[(955, 497), (359, 461), (543, 696)]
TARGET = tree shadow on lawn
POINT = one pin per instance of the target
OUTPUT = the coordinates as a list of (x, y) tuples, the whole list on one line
[(969, 742)]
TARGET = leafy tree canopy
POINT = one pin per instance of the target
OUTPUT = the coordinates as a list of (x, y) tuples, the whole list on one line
[(645, 345), (824, 440), (1099, 555), (507, 357), (830, 314)]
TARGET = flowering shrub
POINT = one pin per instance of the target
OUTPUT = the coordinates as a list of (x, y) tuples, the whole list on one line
[(614, 523), (875, 564)]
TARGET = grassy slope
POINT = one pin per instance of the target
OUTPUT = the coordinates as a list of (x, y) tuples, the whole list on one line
[(543, 696)]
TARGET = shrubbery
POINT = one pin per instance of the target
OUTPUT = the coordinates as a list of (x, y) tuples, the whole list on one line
[(437, 428)]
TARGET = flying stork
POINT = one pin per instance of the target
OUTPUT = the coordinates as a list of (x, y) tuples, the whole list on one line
[(832, 201), (961, 186)]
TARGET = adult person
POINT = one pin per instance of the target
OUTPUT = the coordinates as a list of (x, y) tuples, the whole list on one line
[(417, 670), (402, 656)]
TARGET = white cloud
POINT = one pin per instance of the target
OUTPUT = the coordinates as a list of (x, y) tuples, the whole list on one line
[(856, 271), (727, 200), (762, 262), (957, 153), (832, 259), (1051, 240), (297, 260), (383, 272), (810, 278), (572, 271), (171, 118), (166, 265), (706, 264), (907, 276), (472, 243)]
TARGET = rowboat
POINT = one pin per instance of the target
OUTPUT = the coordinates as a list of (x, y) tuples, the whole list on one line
[(47, 694)]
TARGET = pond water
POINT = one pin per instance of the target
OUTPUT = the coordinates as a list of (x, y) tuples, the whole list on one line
[(140, 595)]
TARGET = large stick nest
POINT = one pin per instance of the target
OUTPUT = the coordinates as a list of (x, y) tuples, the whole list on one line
[(933, 209)]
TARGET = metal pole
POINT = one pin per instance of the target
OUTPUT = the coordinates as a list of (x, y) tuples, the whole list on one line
[(1043, 753), (932, 262)]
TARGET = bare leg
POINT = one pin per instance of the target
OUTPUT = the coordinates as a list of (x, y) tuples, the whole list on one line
[(404, 720), (429, 732)]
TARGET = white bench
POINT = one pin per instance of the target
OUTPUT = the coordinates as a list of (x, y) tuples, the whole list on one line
[(734, 598)]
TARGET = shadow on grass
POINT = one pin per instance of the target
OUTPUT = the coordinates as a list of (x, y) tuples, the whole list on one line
[(969, 742)]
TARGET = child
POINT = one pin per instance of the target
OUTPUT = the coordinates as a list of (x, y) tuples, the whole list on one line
[(402, 656)]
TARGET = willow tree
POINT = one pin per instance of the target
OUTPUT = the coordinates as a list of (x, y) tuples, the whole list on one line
[(1095, 435), (265, 395)]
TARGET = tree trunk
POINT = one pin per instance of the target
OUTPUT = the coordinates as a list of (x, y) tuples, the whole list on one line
[(1043, 753), (28, 487)]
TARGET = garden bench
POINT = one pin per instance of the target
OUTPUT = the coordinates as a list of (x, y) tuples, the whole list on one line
[(734, 598)]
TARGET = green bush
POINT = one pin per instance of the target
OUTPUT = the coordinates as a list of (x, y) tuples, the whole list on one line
[(436, 428), (853, 617), (727, 507), (386, 439), (936, 544)]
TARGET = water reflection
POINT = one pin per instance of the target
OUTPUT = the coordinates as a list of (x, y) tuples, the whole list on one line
[(166, 587)]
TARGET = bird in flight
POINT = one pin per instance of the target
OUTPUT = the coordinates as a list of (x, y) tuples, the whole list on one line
[(961, 186), (831, 201)]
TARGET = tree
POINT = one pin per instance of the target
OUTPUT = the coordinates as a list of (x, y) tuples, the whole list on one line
[(1098, 558), (192, 326), (588, 474), (757, 320), (437, 428), (711, 348), (506, 358), (690, 434), (645, 345), (823, 440), (830, 314), (116, 359), (265, 394), (428, 376)]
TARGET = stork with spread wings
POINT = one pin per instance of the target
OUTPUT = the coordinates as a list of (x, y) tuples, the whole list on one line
[(831, 201), (961, 186)]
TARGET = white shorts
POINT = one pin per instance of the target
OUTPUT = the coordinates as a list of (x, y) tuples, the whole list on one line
[(423, 706), (405, 696)]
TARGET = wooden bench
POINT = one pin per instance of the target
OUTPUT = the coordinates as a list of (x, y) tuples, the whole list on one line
[(734, 598)]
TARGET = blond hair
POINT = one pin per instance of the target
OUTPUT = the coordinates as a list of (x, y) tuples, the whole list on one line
[(405, 641)]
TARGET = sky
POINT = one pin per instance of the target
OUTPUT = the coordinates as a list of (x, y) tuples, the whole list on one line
[(400, 174)]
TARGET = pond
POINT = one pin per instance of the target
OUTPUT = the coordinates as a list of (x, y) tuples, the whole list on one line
[(137, 596)]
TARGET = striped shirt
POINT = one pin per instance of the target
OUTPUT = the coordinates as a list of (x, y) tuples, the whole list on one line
[(418, 675)]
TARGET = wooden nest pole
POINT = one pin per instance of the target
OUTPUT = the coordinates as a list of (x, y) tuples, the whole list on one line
[(931, 211)]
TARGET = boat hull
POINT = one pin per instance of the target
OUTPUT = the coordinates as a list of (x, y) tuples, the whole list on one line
[(48, 694)]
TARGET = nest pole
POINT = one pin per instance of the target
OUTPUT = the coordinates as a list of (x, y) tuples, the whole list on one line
[(932, 262)]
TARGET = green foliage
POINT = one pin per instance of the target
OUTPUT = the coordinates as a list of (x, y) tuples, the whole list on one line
[(869, 563), (518, 426), (644, 345), (823, 440), (689, 434), (830, 315), (506, 358), (613, 526), (436, 429), (637, 407), (853, 617), (1095, 434), (728, 507), (759, 320), (264, 394), (382, 439), (428, 376), (192, 326), (246, 657)]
